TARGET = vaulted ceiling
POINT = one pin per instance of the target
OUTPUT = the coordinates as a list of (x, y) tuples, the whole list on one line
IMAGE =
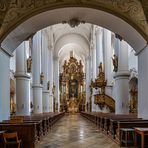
[(67, 38), (20, 19)]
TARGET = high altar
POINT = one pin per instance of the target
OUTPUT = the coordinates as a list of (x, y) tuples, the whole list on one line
[(72, 86)]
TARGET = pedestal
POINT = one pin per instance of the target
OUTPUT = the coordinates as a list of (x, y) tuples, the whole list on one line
[(37, 99), (22, 94), (46, 102), (122, 93)]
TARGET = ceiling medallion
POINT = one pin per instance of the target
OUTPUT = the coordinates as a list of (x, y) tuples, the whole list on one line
[(74, 22)]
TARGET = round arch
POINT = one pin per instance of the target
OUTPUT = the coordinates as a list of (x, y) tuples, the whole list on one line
[(94, 16), (72, 38)]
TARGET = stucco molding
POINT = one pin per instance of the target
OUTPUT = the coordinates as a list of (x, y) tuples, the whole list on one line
[(14, 12)]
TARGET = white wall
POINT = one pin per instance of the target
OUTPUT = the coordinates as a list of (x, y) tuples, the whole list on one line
[(4, 86)]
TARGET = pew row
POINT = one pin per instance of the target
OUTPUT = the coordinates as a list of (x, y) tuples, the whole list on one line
[(32, 128), (110, 123)]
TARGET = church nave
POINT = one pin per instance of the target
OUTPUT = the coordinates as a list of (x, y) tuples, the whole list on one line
[(62, 60), (73, 131)]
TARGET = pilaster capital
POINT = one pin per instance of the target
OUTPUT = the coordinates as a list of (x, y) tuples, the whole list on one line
[(55, 58), (98, 30), (46, 91), (88, 58), (51, 47), (37, 86), (92, 45)]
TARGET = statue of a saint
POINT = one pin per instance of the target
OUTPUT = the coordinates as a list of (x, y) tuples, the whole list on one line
[(48, 85), (91, 87), (53, 89), (29, 63), (31, 105), (80, 67), (115, 63), (100, 67), (41, 78)]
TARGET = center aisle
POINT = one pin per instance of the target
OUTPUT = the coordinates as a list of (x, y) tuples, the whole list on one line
[(73, 131)]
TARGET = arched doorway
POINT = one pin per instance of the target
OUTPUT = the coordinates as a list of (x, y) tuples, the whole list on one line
[(42, 14)]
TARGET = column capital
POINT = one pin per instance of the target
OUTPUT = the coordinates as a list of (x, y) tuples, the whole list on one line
[(56, 58), (98, 30), (46, 91), (37, 86), (122, 74), (19, 75), (88, 57)]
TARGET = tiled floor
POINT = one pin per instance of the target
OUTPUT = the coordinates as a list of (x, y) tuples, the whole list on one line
[(73, 131)]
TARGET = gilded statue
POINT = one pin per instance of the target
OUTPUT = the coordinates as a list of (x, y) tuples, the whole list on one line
[(115, 63), (48, 85), (100, 68), (41, 78), (80, 67), (53, 88), (101, 73), (91, 87), (29, 63)]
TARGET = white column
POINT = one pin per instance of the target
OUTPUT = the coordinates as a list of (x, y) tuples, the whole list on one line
[(45, 67), (143, 83), (93, 50), (122, 80), (94, 106), (107, 60), (56, 82), (5, 86), (99, 48), (36, 71), (50, 66), (87, 67), (22, 80)]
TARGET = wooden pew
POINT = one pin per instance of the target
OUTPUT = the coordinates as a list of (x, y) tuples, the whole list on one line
[(129, 124), (111, 118), (37, 125), (26, 132)]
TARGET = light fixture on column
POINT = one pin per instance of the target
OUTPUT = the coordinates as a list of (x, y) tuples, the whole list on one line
[(74, 22)]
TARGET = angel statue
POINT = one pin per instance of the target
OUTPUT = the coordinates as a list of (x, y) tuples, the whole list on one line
[(115, 63)]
